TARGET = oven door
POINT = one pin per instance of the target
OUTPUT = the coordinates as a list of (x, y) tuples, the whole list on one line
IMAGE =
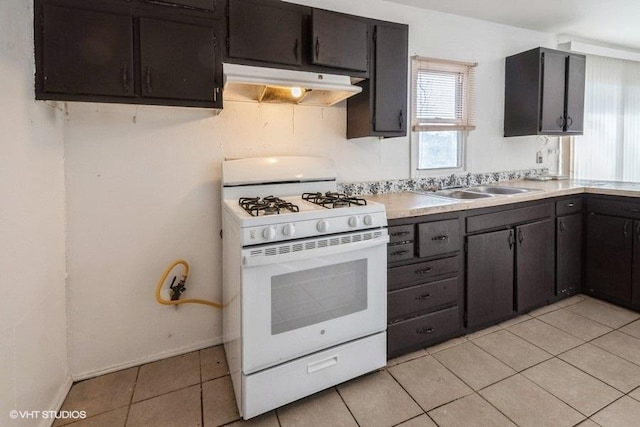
[(303, 296)]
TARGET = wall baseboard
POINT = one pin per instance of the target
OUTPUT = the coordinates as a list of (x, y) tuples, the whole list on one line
[(58, 400), (148, 359)]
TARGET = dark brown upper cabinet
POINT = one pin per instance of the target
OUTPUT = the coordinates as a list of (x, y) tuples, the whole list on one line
[(544, 93), (265, 31), (127, 52), (339, 41), (87, 52), (163, 57), (381, 108)]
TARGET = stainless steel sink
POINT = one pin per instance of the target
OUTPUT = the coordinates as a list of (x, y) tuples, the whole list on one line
[(495, 189), (462, 194)]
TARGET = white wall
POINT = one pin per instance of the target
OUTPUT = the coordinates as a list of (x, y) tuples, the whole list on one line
[(33, 347), (143, 186)]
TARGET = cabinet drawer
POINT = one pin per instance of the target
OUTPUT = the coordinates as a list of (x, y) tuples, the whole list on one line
[(401, 233), (439, 237), (508, 217), (614, 208), (569, 206), (421, 331), (421, 298), (405, 276), (399, 252)]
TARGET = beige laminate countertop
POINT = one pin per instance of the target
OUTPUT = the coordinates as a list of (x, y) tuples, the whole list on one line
[(408, 204)]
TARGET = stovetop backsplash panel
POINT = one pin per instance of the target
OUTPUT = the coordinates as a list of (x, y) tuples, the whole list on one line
[(434, 183)]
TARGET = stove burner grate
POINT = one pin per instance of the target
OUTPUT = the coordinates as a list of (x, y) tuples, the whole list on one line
[(269, 205), (333, 200)]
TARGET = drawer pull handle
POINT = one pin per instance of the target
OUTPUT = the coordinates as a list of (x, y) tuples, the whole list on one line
[(626, 229), (638, 232), (440, 238), (400, 233), (570, 205), (399, 253), (425, 330), (423, 297), (322, 364), (424, 270), (634, 210)]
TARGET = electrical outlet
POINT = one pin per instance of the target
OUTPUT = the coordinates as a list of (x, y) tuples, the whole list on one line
[(539, 157)]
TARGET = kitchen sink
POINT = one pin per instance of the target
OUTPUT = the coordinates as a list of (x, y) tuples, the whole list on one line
[(494, 189), (462, 194)]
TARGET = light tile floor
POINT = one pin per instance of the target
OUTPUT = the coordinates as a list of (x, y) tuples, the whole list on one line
[(576, 362)]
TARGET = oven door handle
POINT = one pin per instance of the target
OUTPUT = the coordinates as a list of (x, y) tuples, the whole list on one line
[(249, 261)]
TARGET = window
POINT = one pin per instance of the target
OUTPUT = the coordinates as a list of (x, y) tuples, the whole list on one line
[(442, 113), (610, 148)]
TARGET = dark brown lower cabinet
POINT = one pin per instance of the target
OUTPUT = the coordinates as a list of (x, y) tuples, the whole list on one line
[(635, 271), (568, 254), (609, 256), (489, 277), (535, 262)]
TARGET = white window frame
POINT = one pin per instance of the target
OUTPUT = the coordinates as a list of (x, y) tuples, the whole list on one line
[(462, 124)]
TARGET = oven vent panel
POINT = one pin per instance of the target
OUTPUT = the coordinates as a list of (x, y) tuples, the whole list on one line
[(286, 248)]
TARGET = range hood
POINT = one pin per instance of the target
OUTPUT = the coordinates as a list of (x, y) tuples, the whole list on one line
[(259, 84)]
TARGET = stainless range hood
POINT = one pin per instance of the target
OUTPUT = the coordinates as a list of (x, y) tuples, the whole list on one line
[(259, 84)]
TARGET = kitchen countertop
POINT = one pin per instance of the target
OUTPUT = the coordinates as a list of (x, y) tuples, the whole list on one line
[(408, 204)]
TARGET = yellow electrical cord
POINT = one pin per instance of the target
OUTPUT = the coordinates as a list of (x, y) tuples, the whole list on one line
[(184, 278)]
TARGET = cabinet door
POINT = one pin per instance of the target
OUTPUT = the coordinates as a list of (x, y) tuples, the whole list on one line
[(489, 277), (609, 256), (177, 60), (339, 41), (87, 53), (535, 264), (390, 74), (635, 295), (265, 31), (568, 253), (575, 94), (553, 92)]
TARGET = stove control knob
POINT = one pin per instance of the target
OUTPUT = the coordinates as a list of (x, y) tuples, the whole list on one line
[(368, 220), (353, 221), (322, 226), (289, 230), (269, 233)]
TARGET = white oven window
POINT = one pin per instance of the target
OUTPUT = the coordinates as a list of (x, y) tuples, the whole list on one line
[(307, 297)]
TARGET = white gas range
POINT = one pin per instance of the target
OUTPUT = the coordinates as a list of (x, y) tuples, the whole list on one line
[(304, 281)]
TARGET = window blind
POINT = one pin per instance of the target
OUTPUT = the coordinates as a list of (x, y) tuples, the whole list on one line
[(610, 146), (442, 95)]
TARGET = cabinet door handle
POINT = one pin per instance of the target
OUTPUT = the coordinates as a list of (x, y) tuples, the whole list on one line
[(511, 239), (295, 48), (125, 78), (638, 232), (570, 205), (400, 120), (399, 253), (400, 233), (520, 236), (423, 270), (569, 122), (626, 229), (423, 297), (634, 210), (317, 47), (562, 228), (148, 80), (216, 91), (425, 330), (561, 122), (443, 237)]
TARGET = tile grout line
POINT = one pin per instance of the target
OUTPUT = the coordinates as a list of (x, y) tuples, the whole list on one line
[(201, 389), (345, 404), (135, 384)]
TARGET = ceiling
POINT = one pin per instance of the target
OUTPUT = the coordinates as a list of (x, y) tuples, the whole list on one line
[(608, 21)]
